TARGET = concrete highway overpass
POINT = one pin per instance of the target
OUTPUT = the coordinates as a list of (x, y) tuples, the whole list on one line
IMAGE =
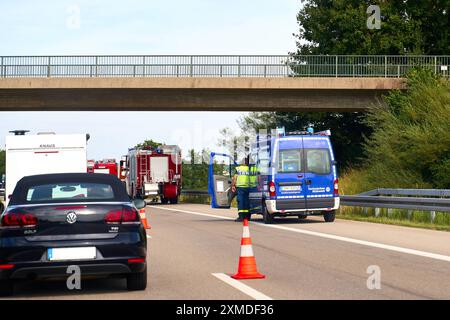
[(193, 94), (203, 83)]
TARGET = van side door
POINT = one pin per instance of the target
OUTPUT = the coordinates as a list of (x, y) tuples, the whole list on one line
[(220, 174)]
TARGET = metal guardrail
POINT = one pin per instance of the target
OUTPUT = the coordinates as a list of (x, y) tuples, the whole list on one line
[(422, 204), (195, 192), (413, 199), (408, 192), (219, 66)]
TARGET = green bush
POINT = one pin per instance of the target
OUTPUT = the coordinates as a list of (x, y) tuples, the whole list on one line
[(410, 143)]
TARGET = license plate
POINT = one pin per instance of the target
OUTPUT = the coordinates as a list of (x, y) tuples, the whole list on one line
[(290, 188), (81, 253)]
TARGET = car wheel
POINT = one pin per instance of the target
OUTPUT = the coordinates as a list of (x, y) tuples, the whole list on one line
[(329, 216), (164, 200), (267, 217), (302, 217), (137, 281), (6, 288)]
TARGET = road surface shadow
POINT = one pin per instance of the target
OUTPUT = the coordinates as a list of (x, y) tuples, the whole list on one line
[(40, 289), (289, 220)]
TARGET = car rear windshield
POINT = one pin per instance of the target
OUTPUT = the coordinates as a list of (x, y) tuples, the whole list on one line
[(69, 191)]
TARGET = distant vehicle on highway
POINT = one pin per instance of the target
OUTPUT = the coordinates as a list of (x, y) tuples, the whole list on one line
[(297, 176), (57, 220), (90, 166), (153, 173), (106, 166), (2, 192), (42, 153), (2, 186)]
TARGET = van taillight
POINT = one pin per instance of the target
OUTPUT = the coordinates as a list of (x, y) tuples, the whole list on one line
[(336, 187), (19, 219), (272, 189), (120, 216)]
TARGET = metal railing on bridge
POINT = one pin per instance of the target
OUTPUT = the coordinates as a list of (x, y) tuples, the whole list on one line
[(219, 66)]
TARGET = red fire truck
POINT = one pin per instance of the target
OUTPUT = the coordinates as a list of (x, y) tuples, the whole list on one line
[(154, 173), (107, 166), (90, 166)]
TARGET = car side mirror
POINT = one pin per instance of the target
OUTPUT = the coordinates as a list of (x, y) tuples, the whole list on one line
[(334, 163), (139, 203)]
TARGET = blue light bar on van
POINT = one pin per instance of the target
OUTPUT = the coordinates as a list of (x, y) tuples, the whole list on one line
[(301, 133), (280, 131), (324, 133)]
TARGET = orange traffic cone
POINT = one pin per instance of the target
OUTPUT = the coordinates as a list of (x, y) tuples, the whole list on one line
[(247, 263), (144, 218)]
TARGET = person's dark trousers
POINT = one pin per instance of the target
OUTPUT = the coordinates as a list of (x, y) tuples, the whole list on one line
[(243, 203)]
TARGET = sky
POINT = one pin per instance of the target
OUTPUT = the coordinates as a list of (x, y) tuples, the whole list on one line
[(99, 27)]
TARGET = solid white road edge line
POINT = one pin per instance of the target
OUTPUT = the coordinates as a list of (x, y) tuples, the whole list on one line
[(334, 237), (241, 287)]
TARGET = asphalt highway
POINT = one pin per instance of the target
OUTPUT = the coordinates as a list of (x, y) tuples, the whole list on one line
[(193, 250)]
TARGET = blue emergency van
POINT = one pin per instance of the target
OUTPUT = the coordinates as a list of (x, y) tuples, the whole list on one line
[(296, 176)]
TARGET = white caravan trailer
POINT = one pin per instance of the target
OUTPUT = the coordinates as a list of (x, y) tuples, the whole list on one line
[(43, 153)]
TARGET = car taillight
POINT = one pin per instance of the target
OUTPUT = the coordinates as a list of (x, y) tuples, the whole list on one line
[(272, 189), (19, 219), (129, 214), (336, 187), (114, 216), (120, 216)]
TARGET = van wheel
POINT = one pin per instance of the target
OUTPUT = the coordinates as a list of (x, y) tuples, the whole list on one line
[(137, 281), (6, 288), (329, 216), (164, 200), (267, 217)]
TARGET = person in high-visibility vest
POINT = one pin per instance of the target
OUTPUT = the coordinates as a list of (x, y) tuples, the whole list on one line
[(244, 179)]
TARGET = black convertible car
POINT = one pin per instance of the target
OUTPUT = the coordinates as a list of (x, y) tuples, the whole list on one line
[(55, 221)]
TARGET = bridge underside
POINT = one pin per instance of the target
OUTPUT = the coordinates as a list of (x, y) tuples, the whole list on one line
[(186, 100), (190, 94)]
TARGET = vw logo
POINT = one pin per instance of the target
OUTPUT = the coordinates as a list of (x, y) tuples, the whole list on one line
[(71, 217)]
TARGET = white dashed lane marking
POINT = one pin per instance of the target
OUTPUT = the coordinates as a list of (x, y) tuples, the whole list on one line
[(241, 287)]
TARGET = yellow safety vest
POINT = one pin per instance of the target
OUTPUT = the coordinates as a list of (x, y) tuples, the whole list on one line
[(253, 176), (244, 178)]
